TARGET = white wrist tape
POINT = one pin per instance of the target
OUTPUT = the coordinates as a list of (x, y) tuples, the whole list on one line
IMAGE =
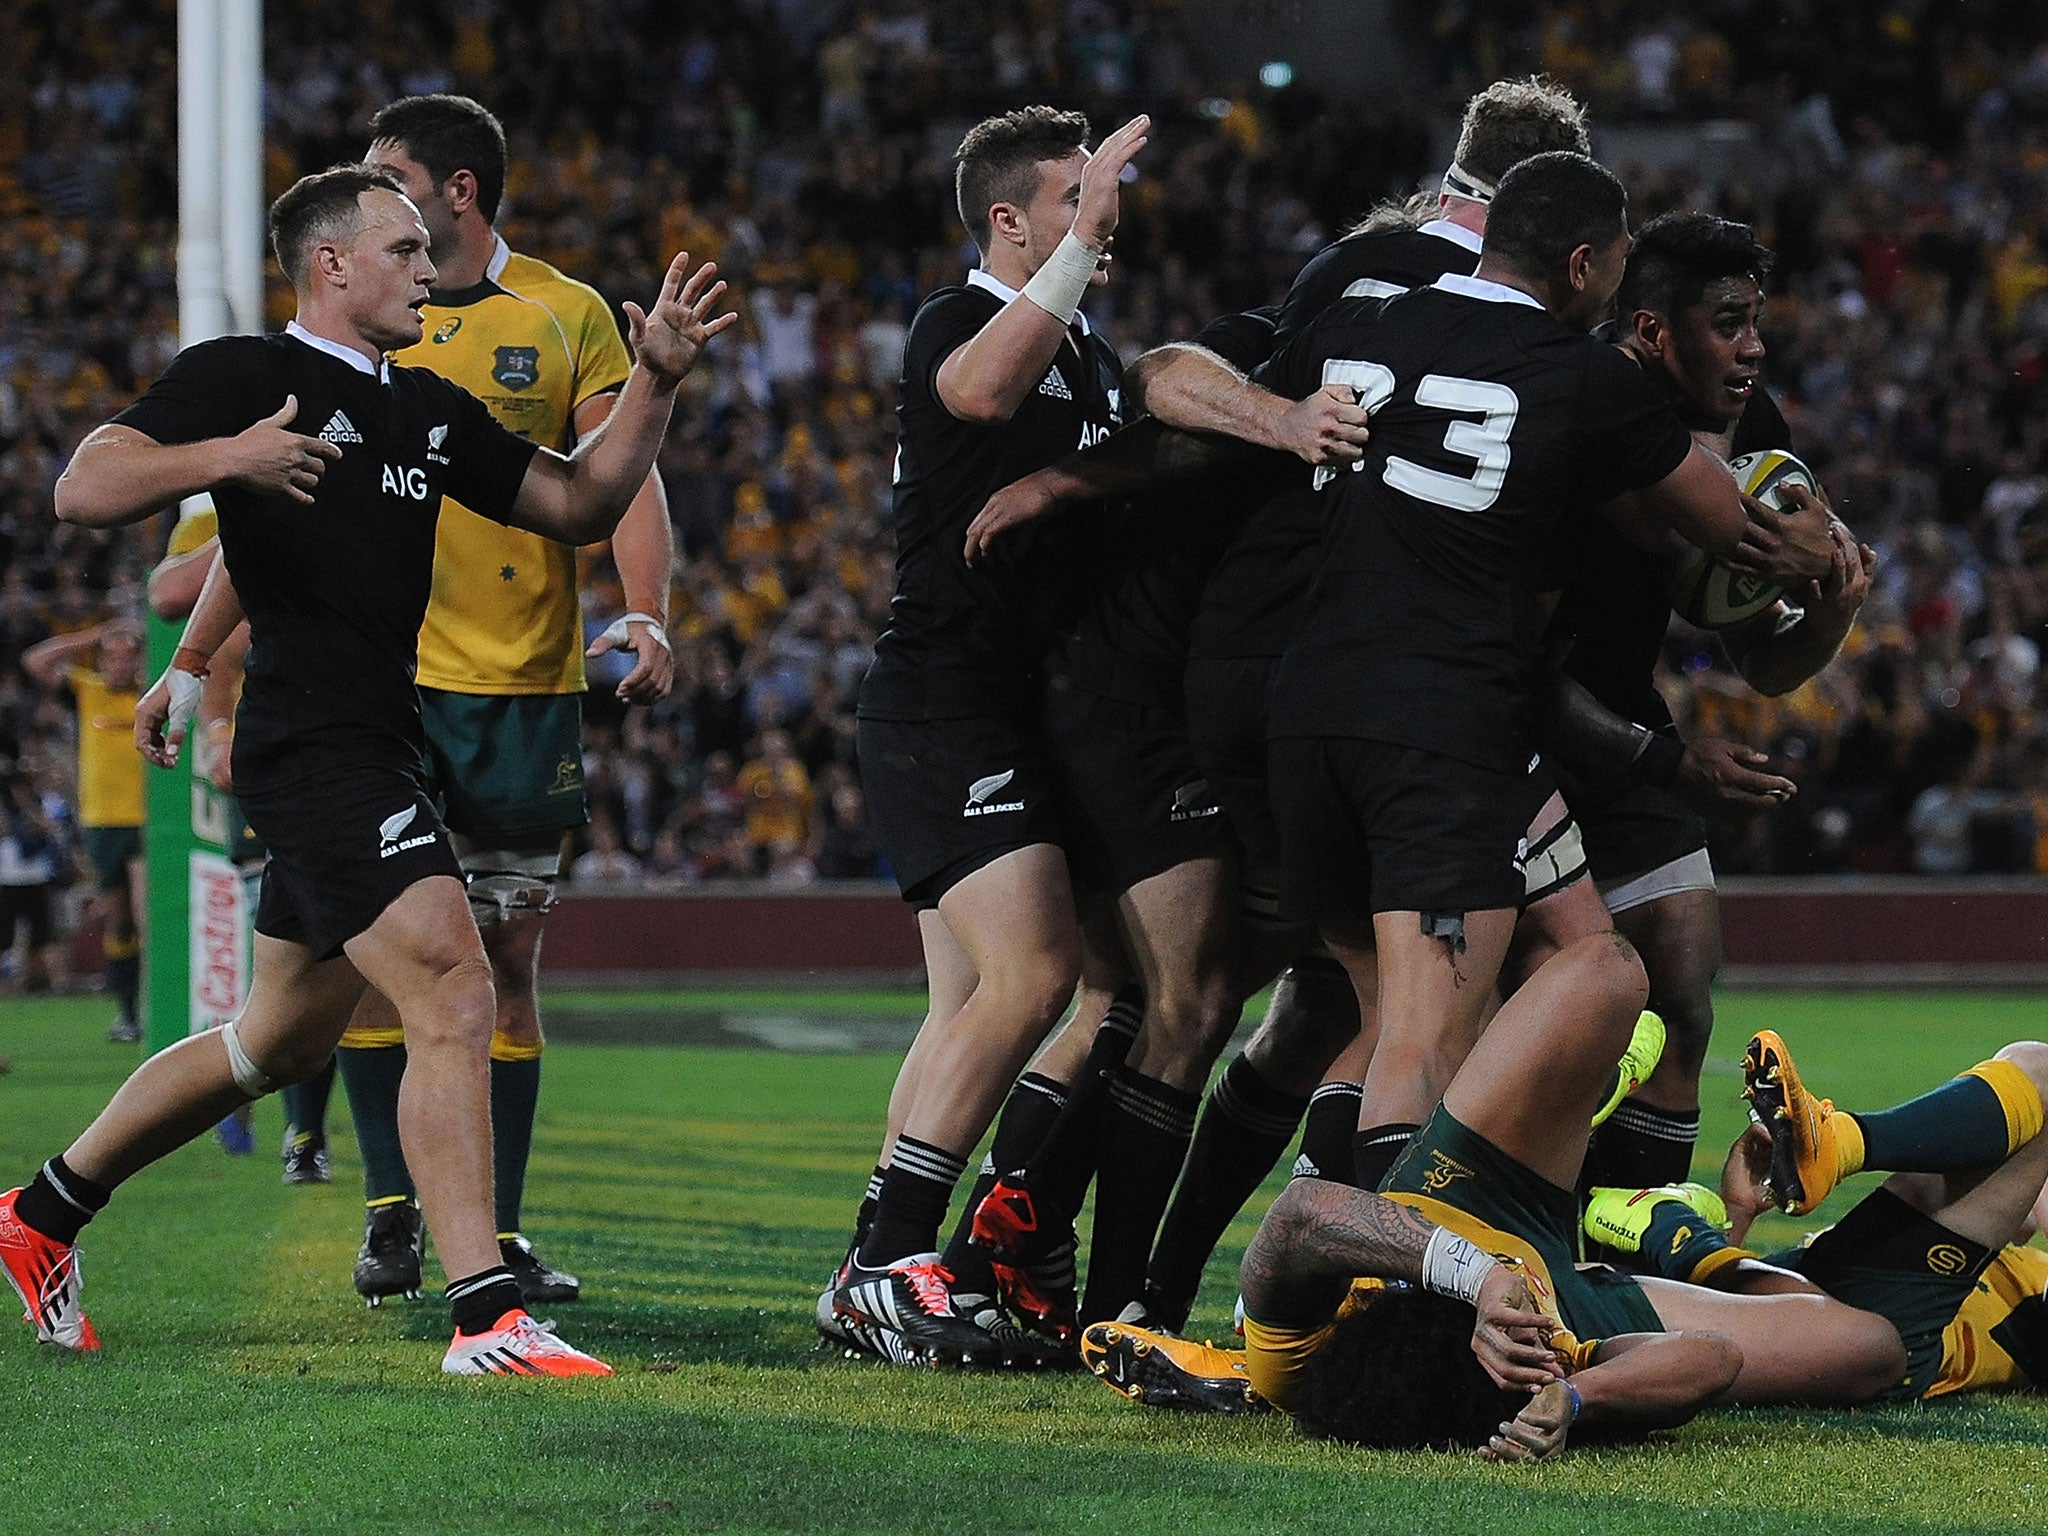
[(1057, 287), (656, 630), (186, 689), (1451, 1266)]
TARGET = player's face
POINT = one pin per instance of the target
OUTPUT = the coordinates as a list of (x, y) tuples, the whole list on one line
[(120, 660), (1050, 213), (430, 198), (1712, 349), (388, 271)]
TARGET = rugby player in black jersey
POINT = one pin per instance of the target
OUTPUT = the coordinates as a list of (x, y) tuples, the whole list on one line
[(1688, 311), (1400, 740), (1247, 573), (327, 467), (1002, 376)]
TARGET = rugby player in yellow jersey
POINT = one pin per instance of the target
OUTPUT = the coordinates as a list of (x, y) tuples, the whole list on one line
[(501, 654), (109, 791)]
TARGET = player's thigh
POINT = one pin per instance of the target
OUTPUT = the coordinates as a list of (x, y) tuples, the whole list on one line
[(1014, 919), (424, 938), (1180, 926), (1533, 1080), (1678, 937), (1796, 1347), (1987, 1207), (298, 1007)]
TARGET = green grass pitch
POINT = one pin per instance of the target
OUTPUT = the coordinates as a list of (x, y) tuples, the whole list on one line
[(703, 1192)]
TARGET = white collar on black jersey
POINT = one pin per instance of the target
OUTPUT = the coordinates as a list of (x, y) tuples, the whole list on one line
[(1479, 288), (1457, 234), (348, 355), (979, 278), (500, 254)]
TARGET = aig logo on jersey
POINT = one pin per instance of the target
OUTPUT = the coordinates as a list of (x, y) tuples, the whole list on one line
[(517, 367), (981, 795), (406, 480)]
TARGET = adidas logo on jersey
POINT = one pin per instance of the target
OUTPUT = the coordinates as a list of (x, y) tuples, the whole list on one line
[(340, 429), (1052, 384)]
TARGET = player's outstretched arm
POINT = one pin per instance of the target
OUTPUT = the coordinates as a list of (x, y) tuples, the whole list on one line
[(986, 378), (580, 499), (644, 549), (1708, 773), (1637, 1380), (1190, 387), (174, 584), (120, 475), (47, 661), (1699, 500)]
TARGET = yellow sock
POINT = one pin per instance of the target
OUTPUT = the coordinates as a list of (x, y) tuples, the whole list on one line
[(1849, 1150), (2017, 1096)]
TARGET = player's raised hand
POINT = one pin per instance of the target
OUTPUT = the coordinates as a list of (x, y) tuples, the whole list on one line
[(668, 339), (1095, 217), (1015, 507), (1717, 776), (1510, 1337), (654, 664), (272, 460), (1329, 427), (1745, 1181)]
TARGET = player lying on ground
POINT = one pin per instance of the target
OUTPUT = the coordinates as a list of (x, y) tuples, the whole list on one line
[(1358, 1362), (1934, 1250), (328, 540)]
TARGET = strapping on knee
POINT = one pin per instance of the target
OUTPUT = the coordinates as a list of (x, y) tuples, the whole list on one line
[(249, 1077), (503, 883)]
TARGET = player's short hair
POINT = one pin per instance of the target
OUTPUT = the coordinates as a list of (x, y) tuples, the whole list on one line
[(447, 134), (1677, 255), (1549, 206), (998, 160), (323, 206), (1513, 119), (1399, 1374)]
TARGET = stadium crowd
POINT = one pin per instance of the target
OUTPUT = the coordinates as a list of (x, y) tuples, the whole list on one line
[(807, 148)]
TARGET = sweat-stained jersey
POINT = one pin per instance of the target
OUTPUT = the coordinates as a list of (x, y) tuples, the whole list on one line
[(533, 345)]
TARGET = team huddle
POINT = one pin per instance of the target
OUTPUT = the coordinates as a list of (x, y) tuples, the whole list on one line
[(1314, 653)]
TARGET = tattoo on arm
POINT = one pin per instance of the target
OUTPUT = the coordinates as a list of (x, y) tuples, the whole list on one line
[(1317, 1238)]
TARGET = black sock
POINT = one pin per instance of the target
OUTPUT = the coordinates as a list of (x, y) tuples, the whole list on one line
[(1640, 1147), (59, 1202), (1028, 1114), (1374, 1150), (1144, 1134), (124, 976), (515, 1093), (479, 1300), (915, 1193), (865, 1216), (1244, 1130), (372, 1073), (1326, 1137), (305, 1106), (1065, 1161)]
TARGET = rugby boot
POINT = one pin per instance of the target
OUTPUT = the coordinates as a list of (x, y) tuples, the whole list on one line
[(44, 1274), (914, 1298), (1032, 1247), (1805, 1160), (394, 1243), (306, 1161), (1645, 1050), (1161, 1371), (538, 1280), (516, 1345), (1620, 1217)]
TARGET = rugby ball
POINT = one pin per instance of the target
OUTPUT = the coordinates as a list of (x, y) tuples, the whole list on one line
[(1707, 592)]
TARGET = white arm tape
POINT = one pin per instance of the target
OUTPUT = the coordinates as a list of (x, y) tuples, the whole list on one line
[(1452, 1266), (657, 631), (1058, 286), (186, 688)]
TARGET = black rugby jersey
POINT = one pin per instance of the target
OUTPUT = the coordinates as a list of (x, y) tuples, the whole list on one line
[(334, 591), (1254, 596), (1153, 557), (1614, 602), (1489, 415), (961, 642)]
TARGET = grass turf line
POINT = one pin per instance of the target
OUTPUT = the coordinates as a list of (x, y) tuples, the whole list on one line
[(702, 1195)]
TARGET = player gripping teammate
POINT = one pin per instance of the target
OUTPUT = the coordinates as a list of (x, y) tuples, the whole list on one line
[(500, 657), (328, 540), (109, 793), (1002, 375), (1689, 304)]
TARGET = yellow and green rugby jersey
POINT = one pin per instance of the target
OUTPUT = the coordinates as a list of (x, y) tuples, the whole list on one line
[(533, 345)]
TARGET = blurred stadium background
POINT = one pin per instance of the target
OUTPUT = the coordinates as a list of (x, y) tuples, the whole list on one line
[(1892, 153)]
